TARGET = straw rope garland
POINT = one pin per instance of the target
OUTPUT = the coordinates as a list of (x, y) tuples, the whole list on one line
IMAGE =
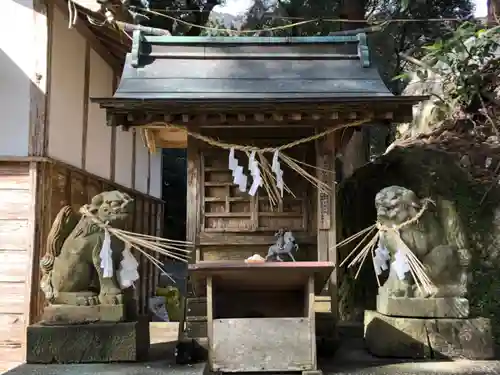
[(415, 266), (178, 250), (269, 175)]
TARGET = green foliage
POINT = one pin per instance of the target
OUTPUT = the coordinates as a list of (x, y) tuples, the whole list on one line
[(405, 37), (460, 59)]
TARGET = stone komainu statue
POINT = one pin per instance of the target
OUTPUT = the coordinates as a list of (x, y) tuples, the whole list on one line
[(71, 268), (437, 239)]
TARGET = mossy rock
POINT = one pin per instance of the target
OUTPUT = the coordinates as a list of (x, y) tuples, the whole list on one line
[(434, 174)]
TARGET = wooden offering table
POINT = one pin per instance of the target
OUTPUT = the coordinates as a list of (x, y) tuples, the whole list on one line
[(260, 316)]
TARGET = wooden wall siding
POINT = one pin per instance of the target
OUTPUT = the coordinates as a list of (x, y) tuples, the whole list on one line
[(62, 185), (231, 217), (15, 203)]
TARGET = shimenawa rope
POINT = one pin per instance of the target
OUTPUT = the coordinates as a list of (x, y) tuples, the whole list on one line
[(416, 268)]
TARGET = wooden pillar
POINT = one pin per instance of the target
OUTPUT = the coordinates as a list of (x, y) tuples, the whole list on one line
[(193, 198), (193, 209), (210, 318), (311, 315), (326, 210), (38, 143)]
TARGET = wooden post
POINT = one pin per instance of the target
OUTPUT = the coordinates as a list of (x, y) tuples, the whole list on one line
[(326, 211), (210, 319), (193, 208), (311, 314), (38, 143), (193, 197)]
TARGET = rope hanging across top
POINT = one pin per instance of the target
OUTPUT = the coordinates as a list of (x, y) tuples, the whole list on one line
[(229, 146), (295, 24), (263, 172)]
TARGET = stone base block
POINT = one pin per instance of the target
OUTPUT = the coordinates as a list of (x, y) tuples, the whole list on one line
[(67, 314), (387, 336), (94, 342), (423, 307)]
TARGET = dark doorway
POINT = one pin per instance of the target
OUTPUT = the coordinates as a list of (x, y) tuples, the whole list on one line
[(174, 192)]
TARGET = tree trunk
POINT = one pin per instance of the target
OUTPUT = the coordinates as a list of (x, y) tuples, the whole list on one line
[(493, 12)]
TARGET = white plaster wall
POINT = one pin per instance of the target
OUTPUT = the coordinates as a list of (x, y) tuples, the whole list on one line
[(141, 164), (66, 119), (17, 67), (66, 93), (124, 157), (156, 174), (98, 153)]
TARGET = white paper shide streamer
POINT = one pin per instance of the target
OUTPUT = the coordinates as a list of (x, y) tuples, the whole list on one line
[(380, 259), (127, 273), (106, 256), (276, 168), (253, 166), (239, 178), (400, 264)]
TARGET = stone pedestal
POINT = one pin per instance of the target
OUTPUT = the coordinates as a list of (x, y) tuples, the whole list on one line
[(427, 328), (423, 307), (67, 314), (86, 343)]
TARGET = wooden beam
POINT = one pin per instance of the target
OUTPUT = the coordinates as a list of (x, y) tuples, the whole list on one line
[(85, 31), (166, 144)]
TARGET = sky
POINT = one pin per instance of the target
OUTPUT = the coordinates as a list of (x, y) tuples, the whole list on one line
[(481, 8), (237, 7), (234, 7)]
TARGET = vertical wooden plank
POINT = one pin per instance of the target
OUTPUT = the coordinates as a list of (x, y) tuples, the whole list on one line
[(93, 188), (143, 263), (311, 314), (43, 12), (33, 250), (154, 226), (194, 188), (210, 319), (77, 187), (134, 157), (42, 226), (332, 232), (138, 229), (38, 126), (86, 88), (147, 263), (148, 180), (326, 213), (112, 154), (323, 201)]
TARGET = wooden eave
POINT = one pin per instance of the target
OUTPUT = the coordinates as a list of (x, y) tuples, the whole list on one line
[(251, 81)]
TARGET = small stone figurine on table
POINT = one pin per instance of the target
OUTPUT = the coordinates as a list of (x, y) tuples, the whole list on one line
[(90, 315), (285, 245), (411, 322)]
